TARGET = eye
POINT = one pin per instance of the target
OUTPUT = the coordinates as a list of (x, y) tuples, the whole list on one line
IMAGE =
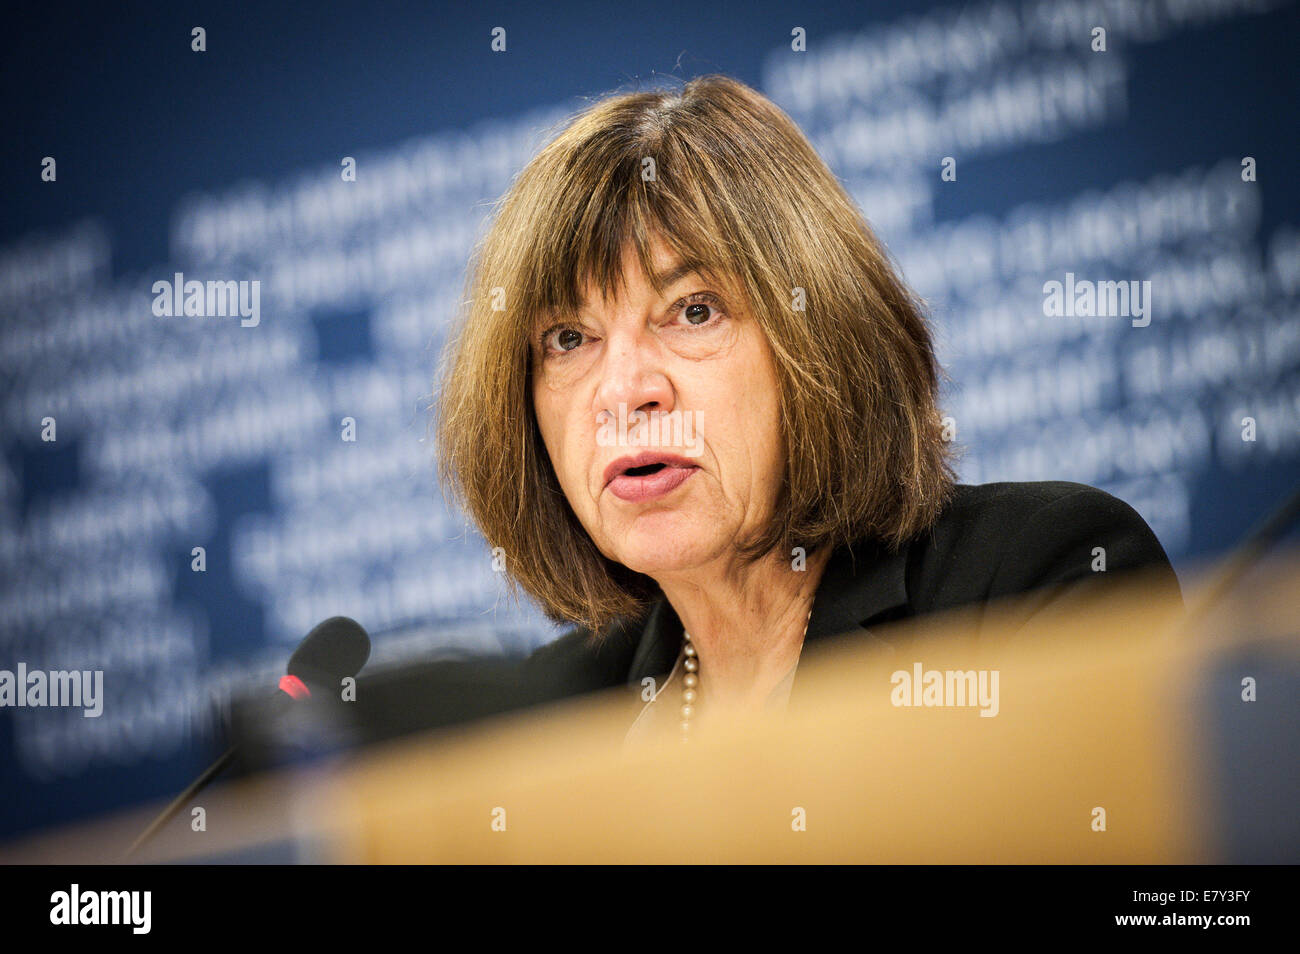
[(698, 309), (560, 339)]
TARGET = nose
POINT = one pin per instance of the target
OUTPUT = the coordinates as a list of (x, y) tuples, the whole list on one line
[(632, 374)]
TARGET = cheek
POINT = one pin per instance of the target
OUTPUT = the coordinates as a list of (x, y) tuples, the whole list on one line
[(546, 413), (773, 405), (761, 403), (768, 460), (561, 437)]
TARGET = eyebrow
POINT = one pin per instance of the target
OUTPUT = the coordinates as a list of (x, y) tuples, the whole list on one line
[(666, 278), (677, 273)]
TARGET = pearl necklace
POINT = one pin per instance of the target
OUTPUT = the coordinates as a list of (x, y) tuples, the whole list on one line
[(691, 680)]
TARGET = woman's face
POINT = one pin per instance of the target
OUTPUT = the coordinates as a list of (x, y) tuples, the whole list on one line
[(701, 374)]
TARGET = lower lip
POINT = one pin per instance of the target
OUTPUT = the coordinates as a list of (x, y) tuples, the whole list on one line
[(651, 486)]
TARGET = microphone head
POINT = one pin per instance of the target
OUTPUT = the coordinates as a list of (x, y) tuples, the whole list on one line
[(336, 648)]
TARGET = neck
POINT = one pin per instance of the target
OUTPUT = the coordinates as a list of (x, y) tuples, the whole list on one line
[(747, 625)]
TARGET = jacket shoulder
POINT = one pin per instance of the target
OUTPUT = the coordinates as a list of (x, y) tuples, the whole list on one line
[(1001, 539), (579, 661)]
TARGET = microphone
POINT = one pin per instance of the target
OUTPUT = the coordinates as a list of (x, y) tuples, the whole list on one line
[(332, 651)]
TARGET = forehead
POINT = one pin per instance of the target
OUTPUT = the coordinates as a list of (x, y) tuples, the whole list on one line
[(667, 268)]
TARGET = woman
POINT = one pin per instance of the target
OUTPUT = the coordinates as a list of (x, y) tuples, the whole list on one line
[(695, 408)]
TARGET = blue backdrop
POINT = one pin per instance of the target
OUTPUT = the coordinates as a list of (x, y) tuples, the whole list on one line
[(181, 498)]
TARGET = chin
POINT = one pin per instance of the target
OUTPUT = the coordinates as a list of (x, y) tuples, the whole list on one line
[(653, 545)]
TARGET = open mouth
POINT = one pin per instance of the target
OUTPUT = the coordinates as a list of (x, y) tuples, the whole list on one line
[(645, 471), (638, 482)]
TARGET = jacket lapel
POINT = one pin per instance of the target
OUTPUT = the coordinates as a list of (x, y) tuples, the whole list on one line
[(661, 641), (863, 583)]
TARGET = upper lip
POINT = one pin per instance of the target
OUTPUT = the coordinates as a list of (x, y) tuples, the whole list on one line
[(643, 459)]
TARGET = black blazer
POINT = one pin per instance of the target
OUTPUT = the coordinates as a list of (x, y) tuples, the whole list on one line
[(1032, 542)]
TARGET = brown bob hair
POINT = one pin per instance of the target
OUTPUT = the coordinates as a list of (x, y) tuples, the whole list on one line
[(736, 190)]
